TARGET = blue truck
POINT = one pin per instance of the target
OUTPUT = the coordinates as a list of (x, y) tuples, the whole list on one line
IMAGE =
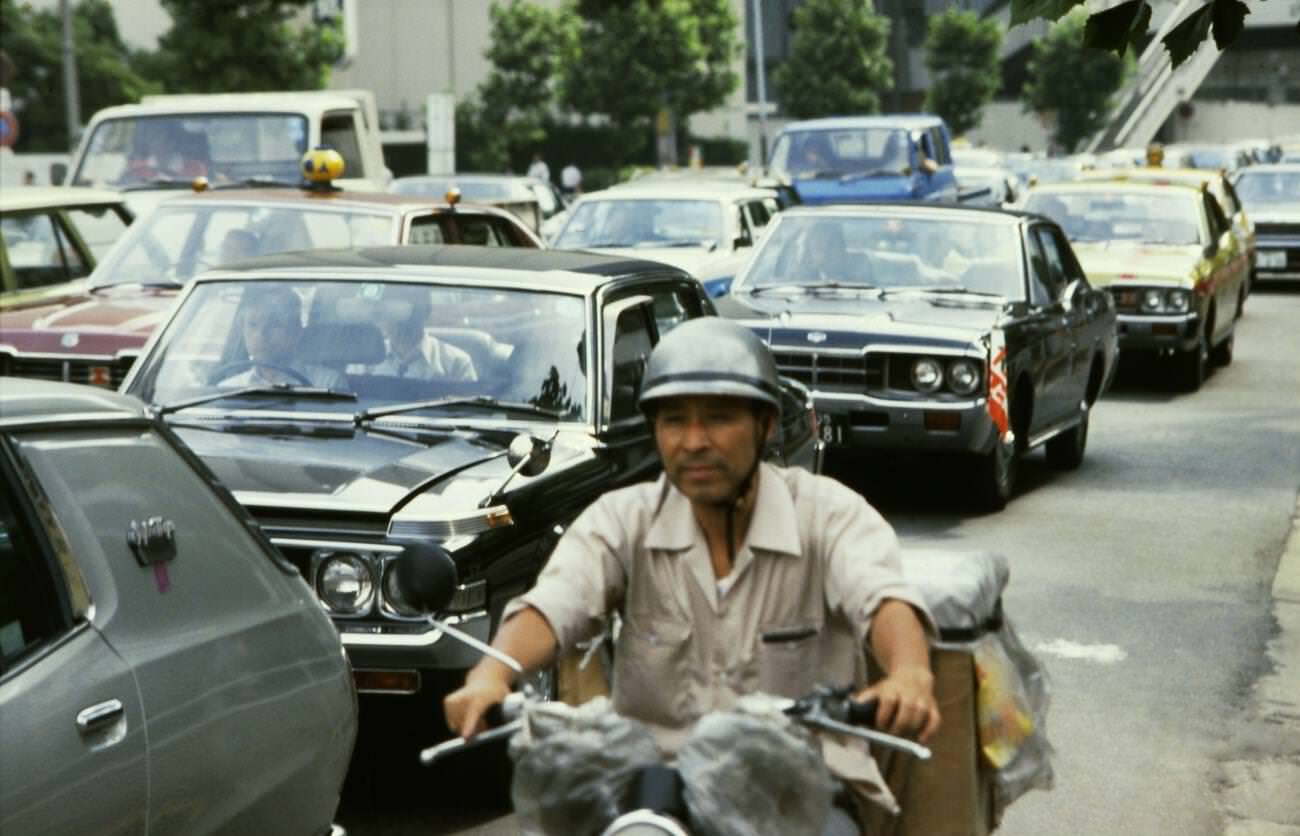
[(856, 159)]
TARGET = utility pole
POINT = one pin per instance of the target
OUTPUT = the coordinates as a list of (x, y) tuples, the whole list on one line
[(760, 68), (71, 90)]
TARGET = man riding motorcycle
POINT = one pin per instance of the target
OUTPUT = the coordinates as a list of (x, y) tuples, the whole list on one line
[(731, 575)]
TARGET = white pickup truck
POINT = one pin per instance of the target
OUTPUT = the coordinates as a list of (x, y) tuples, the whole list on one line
[(164, 142)]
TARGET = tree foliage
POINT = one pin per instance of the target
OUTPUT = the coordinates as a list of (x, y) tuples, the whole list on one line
[(243, 45), (961, 52), (1072, 81), (1126, 24), (33, 41), (633, 59), (837, 63)]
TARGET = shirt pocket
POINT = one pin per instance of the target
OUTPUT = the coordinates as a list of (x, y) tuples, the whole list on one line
[(652, 671), (789, 658)]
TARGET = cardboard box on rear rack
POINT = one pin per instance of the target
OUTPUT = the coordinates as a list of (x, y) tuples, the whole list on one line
[(992, 694)]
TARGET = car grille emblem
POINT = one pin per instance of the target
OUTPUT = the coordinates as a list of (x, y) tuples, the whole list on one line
[(816, 337), (70, 340)]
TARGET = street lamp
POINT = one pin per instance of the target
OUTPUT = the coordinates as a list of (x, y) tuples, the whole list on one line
[(760, 68)]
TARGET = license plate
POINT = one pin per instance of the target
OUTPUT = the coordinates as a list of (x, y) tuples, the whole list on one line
[(832, 430), (1270, 259)]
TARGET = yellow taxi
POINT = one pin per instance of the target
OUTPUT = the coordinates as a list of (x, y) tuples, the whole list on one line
[(1170, 258), (1216, 182)]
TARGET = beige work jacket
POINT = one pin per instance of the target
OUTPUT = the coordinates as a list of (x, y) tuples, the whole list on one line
[(796, 610)]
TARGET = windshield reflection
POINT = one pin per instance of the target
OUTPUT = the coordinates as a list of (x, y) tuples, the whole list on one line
[(888, 253), (1148, 218), (643, 222), (388, 343)]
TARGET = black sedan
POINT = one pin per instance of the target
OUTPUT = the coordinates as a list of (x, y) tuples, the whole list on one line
[(936, 329), (479, 398)]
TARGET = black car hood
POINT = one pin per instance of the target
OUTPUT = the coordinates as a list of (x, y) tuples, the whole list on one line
[(901, 318), (336, 468)]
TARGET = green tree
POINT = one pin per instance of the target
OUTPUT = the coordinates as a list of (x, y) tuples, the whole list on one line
[(838, 62), (528, 45), (1125, 24), (1073, 82), (33, 41), (633, 59), (243, 45), (961, 52)]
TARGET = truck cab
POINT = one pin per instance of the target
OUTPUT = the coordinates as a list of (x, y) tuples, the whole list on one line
[(162, 144), (865, 159)]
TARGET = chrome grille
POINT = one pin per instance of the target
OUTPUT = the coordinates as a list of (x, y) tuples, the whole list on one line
[(851, 372), (105, 372)]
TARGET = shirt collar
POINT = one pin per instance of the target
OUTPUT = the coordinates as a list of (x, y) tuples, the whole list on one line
[(774, 526)]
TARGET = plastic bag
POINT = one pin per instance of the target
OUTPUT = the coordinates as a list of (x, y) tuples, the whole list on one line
[(575, 767), (1012, 703), (753, 772)]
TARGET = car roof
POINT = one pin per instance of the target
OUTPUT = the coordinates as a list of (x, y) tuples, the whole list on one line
[(346, 198), (1144, 174), (310, 102), (571, 270), (894, 120), (912, 209), (27, 399), (678, 190), (1110, 185), (21, 198), (1269, 168)]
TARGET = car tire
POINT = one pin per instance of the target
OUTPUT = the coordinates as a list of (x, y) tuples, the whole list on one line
[(1065, 451), (1192, 364), (995, 477), (1222, 353)]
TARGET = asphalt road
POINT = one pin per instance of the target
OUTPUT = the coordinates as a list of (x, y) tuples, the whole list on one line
[(1141, 580)]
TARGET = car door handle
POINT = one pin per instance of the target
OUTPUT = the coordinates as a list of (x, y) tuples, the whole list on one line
[(98, 716)]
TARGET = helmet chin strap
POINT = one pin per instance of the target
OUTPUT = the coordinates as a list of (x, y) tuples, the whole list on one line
[(731, 504)]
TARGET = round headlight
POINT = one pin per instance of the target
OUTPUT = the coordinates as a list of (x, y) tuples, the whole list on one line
[(343, 582), (963, 376), (393, 596), (1178, 300), (927, 375), (1153, 300)]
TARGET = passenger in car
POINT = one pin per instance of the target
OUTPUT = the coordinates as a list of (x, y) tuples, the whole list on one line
[(413, 353)]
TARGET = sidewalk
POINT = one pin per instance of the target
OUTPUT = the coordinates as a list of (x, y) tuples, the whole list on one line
[(1262, 795)]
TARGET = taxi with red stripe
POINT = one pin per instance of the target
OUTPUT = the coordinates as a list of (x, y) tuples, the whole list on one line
[(1170, 258)]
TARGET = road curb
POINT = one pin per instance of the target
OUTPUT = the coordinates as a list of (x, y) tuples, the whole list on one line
[(1286, 584)]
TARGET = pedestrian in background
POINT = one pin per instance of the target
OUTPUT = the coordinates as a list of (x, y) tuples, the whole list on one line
[(539, 168), (571, 179)]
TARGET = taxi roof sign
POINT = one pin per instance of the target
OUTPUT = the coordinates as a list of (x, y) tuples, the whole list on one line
[(321, 166)]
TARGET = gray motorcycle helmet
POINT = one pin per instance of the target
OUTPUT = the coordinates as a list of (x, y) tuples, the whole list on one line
[(710, 356)]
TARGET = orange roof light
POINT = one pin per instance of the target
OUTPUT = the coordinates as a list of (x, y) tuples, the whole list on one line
[(453, 196), (199, 184)]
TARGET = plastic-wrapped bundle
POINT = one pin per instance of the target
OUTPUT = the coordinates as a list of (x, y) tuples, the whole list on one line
[(574, 767), (1013, 700), (753, 772)]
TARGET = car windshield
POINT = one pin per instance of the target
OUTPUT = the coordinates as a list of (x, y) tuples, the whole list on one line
[(1255, 187), (642, 222), (1146, 217), (177, 241), (224, 147), (836, 153), (844, 252), (388, 343), (474, 191)]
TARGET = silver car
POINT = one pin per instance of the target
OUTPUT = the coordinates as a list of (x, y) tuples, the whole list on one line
[(162, 669)]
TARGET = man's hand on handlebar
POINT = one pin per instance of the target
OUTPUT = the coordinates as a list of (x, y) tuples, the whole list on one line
[(487, 685), (906, 704)]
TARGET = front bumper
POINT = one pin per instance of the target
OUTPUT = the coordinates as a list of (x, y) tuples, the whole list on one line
[(418, 646), (870, 423), (1158, 331), (1278, 256)]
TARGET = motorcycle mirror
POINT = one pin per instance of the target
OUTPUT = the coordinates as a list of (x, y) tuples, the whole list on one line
[(426, 576), (528, 455)]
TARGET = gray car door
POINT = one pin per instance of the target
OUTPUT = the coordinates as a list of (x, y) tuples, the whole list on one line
[(72, 738), (247, 696)]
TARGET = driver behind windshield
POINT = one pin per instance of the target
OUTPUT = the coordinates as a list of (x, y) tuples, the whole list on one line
[(270, 325)]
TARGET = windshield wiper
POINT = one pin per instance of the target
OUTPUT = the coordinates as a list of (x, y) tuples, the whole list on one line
[(922, 289), (866, 174), (161, 183), (259, 182), (150, 283), (480, 401), (811, 288), (275, 390)]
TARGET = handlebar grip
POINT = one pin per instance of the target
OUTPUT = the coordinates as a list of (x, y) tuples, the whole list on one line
[(862, 713)]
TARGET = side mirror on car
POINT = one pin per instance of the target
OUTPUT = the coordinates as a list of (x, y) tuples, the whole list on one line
[(58, 171), (1211, 249), (1074, 294), (424, 576), (528, 454)]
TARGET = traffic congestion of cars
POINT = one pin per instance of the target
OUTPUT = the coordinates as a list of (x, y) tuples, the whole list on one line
[(309, 377)]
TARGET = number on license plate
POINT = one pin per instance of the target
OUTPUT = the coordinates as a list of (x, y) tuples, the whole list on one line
[(1272, 259), (832, 431)]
